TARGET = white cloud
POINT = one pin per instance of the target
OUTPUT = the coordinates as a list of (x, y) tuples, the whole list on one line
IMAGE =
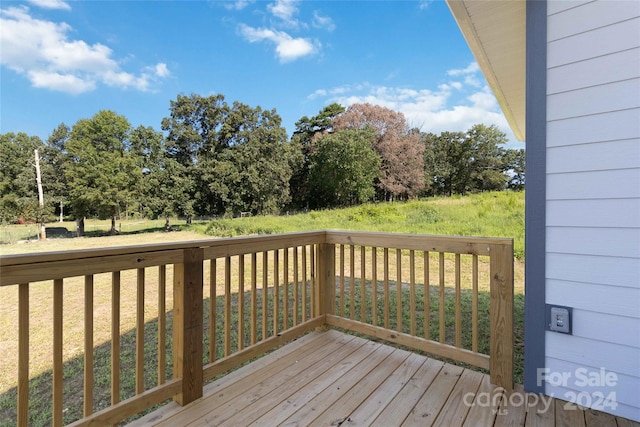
[(42, 51), (424, 4), (161, 70), (452, 106), (51, 4), (287, 47), (285, 10), (237, 5), (471, 69), (323, 22), (317, 94), (61, 82)]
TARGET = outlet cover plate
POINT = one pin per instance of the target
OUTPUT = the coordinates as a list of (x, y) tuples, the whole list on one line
[(559, 319)]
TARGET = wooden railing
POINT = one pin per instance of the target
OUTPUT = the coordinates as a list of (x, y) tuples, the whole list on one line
[(234, 299), (385, 290)]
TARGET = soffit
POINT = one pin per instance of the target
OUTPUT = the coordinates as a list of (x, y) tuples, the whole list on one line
[(495, 31)]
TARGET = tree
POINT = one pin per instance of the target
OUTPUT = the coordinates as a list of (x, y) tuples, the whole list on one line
[(194, 127), (446, 162), (18, 192), (163, 187), (193, 141), (486, 169), (457, 162), (236, 157), (101, 172), (343, 168), (252, 173), (321, 123), (307, 131), (400, 149), (54, 157), (513, 164)]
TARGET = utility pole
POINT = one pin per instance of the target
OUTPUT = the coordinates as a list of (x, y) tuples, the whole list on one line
[(43, 229)]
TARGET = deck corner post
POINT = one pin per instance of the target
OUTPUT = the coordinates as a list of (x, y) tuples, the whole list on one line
[(501, 312), (325, 301), (188, 325)]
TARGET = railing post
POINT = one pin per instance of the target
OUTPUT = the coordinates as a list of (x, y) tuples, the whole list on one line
[(501, 312), (325, 291), (187, 325)]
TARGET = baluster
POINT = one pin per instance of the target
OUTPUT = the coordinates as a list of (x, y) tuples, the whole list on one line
[(399, 290), (441, 271), (427, 299), (386, 288), (23, 354), (363, 283), (254, 305), (474, 304), (374, 286), (276, 291), (342, 280), (458, 308), (88, 346), (304, 283), (352, 282), (57, 352), (162, 324), (265, 293), (412, 291), (240, 302), (227, 305), (140, 332), (213, 298), (285, 296), (115, 337)]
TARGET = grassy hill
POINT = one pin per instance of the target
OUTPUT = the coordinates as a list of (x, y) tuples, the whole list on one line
[(493, 214)]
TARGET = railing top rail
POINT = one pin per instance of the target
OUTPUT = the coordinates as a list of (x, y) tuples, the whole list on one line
[(436, 243), (79, 254), (50, 265), (330, 236)]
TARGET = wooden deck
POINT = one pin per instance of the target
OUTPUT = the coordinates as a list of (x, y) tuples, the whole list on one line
[(331, 378)]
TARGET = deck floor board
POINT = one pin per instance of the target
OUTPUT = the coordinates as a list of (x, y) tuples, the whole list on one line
[(332, 378)]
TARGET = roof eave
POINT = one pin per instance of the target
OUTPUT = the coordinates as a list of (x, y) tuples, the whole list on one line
[(503, 67)]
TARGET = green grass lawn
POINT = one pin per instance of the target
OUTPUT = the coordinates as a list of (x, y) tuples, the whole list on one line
[(493, 214)]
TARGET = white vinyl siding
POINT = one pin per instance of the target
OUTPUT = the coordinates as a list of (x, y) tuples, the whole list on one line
[(609, 184), (593, 194), (602, 156), (593, 44), (610, 126), (610, 271), (627, 387), (607, 213)]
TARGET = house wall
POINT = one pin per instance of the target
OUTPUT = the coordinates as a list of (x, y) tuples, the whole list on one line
[(593, 202)]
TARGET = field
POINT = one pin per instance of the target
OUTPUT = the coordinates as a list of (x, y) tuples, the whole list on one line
[(14, 237), (490, 214), (494, 214)]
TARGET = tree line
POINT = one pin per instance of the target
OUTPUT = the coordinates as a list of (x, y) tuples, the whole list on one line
[(212, 158)]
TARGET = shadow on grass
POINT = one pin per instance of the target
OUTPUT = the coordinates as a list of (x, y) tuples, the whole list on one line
[(40, 387)]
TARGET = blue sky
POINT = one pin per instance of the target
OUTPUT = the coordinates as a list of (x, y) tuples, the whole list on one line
[(63, 61)]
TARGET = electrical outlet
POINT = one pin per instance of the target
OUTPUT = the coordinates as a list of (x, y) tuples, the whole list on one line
[(560, 320)]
